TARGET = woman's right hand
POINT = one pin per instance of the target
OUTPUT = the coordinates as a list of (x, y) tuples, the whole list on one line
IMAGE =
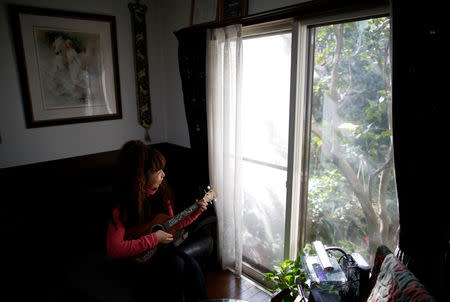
[(163, 237)]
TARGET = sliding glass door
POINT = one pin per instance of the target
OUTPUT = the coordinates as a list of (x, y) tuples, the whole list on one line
[(317, 158), (351, 192), (266, 84)]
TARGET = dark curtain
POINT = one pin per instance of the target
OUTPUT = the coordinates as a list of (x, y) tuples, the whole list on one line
[(420, 113), (192, 60)]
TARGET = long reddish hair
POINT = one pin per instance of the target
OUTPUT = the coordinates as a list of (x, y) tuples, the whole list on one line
[(134, 162)]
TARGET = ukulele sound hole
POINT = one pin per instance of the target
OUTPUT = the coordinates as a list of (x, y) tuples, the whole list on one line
[(157, 227)]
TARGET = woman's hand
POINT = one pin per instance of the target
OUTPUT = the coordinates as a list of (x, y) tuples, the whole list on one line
[(201, 204), (164, 237)]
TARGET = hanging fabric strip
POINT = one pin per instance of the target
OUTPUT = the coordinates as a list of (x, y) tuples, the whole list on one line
[(141, 64)]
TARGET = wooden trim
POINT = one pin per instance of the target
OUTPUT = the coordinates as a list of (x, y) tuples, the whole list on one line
[(315, 8), (76, 165), (268, 28), (311, 9)]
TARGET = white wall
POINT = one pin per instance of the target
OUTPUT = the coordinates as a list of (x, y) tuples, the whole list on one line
[(171, 16), (20, 145)]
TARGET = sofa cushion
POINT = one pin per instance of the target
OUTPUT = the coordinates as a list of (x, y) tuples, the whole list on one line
[(380, 254), (396, 283)]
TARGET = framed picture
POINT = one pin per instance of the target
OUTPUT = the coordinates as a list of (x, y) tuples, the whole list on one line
[(232, 9), (204, 11), (68, 66)]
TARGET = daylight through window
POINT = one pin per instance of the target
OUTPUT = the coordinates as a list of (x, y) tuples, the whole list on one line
[(343, 171)]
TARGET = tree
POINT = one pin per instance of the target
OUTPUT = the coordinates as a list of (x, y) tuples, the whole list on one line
[(351, 122)]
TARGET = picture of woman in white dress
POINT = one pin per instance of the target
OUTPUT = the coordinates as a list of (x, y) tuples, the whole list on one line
[(69, 65)]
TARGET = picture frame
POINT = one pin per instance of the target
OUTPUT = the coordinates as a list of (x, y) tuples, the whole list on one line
[(232, 9), (68, 65), (204, 12)]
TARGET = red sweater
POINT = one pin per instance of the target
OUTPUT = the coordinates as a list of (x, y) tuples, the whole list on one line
[(117, 247)]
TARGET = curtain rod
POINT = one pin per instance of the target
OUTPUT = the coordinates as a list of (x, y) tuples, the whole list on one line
[(313, 8)]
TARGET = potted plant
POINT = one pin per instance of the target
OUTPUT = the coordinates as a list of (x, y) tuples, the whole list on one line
[(288, 277)]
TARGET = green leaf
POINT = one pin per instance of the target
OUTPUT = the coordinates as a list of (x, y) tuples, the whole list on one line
[(269, 276), (289, 279)]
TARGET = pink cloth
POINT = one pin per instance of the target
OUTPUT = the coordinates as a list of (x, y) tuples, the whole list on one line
[(117, 247)]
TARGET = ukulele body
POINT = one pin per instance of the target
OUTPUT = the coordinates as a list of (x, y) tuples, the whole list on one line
[(167, 224), (156, 224)]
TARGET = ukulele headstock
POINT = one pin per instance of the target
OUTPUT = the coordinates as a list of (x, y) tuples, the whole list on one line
[(210, 195)]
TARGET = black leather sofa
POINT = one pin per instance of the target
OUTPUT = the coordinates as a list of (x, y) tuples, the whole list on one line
[(54, 217)]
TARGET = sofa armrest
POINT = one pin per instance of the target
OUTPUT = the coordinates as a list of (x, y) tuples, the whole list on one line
[(396, 282)]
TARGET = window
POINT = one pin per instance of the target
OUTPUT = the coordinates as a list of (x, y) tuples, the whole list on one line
[(266, 87), (351, 196), (318, 158)]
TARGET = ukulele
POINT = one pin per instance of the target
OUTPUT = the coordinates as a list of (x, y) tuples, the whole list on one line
[(166, 223)]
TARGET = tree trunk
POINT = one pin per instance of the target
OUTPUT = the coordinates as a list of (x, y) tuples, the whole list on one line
[(332, 149), (382, 211), (357, 187)]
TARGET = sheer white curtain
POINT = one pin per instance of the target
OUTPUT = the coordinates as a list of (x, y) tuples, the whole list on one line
[(223, 97)]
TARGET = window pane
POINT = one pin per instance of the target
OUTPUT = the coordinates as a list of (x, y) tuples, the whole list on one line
[(264, 213), (266, 72), (266, 78), (352, 199)]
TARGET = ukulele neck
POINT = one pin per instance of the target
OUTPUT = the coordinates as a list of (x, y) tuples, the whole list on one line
[(177, 218)]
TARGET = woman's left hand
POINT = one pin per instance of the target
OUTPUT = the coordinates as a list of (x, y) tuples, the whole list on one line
[(201, 205)]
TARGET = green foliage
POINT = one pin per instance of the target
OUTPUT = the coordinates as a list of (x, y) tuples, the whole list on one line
[(289, 274), (355, 124), (333, 210)]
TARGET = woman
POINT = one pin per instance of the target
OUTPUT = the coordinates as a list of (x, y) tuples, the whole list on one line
[(142, 193)]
